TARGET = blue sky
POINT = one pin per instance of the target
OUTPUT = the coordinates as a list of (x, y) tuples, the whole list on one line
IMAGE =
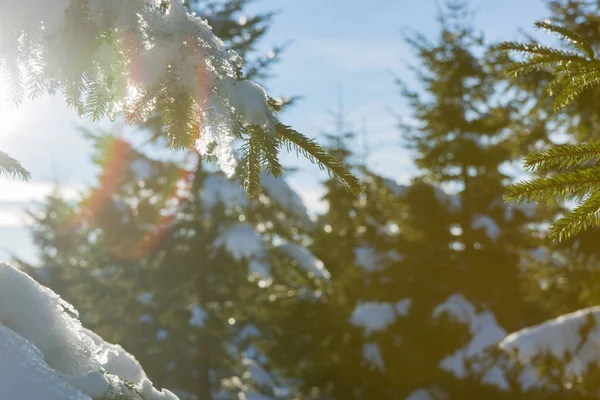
[(346, 47)]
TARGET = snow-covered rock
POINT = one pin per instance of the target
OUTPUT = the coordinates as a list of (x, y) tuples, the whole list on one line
[(45, 353)]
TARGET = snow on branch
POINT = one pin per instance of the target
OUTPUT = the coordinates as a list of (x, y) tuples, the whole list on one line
[(141, 58)]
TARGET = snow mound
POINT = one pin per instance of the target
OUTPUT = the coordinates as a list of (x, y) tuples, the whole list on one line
[(45, 353), (572, 338)]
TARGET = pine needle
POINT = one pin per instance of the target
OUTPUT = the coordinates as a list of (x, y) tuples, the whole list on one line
[(316, 154)]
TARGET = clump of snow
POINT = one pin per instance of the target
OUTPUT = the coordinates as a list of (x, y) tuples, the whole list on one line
[(250, 101), (403, 307), (486, 222), (95, 384), (218, 189), (255, 383), (257, 373), (485, 332), (365, 257), (452, 200), (572, 338), (278, 189), (198, 317), (372, 354), (368, 258), (261, 269), (118, 361), (305, 260), (241, 241), (427, 394), (375, 317), (394, 187), (46, 353)]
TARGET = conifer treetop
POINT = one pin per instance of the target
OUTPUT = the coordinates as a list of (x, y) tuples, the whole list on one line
[(142, 58)]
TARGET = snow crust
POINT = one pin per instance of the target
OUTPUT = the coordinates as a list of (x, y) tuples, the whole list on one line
[(563, 338), (45, 353)]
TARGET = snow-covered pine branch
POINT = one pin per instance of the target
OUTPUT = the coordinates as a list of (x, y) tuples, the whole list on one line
[(140, 58)]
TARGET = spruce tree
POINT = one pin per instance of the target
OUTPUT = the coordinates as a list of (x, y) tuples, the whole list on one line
[(472, 251)]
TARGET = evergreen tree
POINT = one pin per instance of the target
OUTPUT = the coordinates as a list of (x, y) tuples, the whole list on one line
[(420, 277), (462, 253)]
